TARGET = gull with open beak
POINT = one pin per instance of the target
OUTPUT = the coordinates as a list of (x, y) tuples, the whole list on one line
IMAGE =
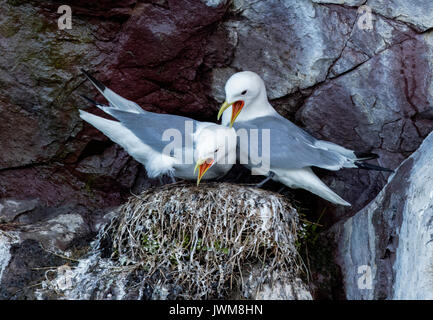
[(203, 166), (205, 147), (293, 151)]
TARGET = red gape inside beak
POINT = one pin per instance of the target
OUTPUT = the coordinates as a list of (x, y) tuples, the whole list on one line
[(236, 109), (203, 168)]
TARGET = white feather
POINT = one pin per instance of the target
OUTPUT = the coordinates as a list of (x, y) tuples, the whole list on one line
[(306, 179), (155, 163)]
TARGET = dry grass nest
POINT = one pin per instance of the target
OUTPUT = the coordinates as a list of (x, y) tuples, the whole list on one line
[(203, 242)]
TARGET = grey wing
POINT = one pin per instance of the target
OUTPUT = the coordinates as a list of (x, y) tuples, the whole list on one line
[(157, 130), (289, 146)]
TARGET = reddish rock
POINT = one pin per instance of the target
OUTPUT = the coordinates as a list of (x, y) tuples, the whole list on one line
[(149, 52)]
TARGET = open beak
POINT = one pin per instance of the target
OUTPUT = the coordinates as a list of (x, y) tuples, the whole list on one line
[(236, 109), (203, 166)]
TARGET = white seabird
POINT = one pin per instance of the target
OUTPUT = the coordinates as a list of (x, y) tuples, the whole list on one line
[(293, 151), (146, 136)]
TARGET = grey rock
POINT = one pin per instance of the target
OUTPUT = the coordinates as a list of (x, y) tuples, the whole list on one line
[(114, 163), (6, 241), (38, 77), (214, 3), (291, 44), (418, 13), (284, 287), (364, 44), (26, 266), (219, 78), (10, 209), (57, 233), (341, 2), (32, 252), (385, 250)]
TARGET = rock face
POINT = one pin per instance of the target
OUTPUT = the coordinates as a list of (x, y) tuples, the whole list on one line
[(167, 243), (385, 250), (28, 252), (360, 82)]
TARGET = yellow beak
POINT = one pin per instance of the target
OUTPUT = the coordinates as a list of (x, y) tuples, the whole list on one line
[(223, 108), (203, 166), (237, 108)]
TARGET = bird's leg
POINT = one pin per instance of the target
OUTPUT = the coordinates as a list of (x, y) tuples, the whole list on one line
[(161, 183), (173, 179), (281, 189), (239, 176), (269, 177)]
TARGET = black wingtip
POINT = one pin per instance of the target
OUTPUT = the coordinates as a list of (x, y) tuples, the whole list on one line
[(89, 100), (366, 155), (369, 166), (95, 82)]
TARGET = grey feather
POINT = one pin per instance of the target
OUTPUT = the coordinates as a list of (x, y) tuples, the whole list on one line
[(147, 126), (290, 146)]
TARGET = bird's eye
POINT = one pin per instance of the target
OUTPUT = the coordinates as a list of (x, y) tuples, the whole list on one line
[(216, 150), (244, 92)]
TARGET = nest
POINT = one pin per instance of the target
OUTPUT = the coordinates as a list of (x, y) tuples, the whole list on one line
[(204, 242)]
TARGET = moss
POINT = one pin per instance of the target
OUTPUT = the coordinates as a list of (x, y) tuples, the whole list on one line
[(7, 31), (316, 248), (15, 3), (41, 26), (10, 27), (88, 186), (310, 231), (53, 56)]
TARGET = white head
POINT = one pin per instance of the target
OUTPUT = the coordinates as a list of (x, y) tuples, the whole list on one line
[(241, 90), (214, 145)]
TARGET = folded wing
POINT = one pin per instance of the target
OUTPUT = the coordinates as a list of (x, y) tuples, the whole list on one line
[(290, 147)]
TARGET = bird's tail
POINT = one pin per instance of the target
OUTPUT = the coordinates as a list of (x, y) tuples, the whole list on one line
[(354, 159), (364, 156), (116, 101), (101, 106), (369, 166)]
